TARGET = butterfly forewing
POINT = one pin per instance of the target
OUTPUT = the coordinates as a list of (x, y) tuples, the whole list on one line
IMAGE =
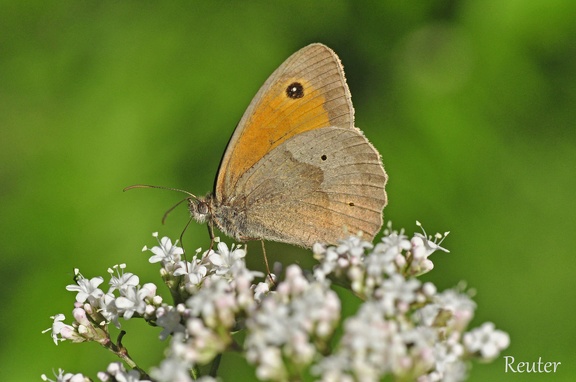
[(308, 91)]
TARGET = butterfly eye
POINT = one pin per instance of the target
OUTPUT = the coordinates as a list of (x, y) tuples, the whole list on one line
[(295, 90), (202, 208)]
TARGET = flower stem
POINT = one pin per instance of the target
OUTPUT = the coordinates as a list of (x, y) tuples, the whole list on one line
[(122, 352)]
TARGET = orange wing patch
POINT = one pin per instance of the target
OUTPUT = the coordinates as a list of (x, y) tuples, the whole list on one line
[(278, 117)]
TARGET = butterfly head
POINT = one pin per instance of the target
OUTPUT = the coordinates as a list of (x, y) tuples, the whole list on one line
[(201, 208)]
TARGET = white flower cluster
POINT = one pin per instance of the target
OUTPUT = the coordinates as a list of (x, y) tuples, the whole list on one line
[(114, 372), (94, 309), (294, 324), (286, 324), (404, 328)]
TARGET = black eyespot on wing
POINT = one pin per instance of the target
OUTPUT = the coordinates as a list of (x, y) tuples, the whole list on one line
[(351, 204), (295, 90), (324, 157)]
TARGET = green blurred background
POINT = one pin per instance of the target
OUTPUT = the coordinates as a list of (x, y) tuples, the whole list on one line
[(471, 103)]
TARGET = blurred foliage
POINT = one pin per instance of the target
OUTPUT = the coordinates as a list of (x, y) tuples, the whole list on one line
[(471, 103)]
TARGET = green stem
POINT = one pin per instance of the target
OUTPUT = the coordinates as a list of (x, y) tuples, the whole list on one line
[(122, 352), (215, 365)]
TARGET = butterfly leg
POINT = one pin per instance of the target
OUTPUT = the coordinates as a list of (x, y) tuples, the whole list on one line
[(211, 234), (270, 276), (181, 239)]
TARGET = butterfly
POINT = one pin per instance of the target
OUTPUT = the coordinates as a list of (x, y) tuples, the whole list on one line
[(296, 170)]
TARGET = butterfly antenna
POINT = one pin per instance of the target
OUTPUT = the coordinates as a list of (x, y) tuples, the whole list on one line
[(160, 187), (191, 195), (165, 216)]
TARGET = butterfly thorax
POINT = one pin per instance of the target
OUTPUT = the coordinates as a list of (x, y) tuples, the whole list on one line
[(228, 217)]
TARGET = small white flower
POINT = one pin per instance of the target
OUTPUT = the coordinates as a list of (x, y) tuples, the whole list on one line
[(109, 310), (65, 377), (133, 300), (422, 246), (169, 318), (334, 368), (432, 245), (342, 259), (203, 344), (242, 282), (379, 264), (393, 242), (355, 247), (87, 289), (294, 284), (420, 344), (260, 291), (62, 331), (165, 252), (429, 289), (122, 280), (486, 341), (195, 273), (460, 307), (420, 252), (224, 259), (215, 303), (270, 363), (84, 324), (328, 258), (117, 371), (448, 358), (173, 369), (396, 294)]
